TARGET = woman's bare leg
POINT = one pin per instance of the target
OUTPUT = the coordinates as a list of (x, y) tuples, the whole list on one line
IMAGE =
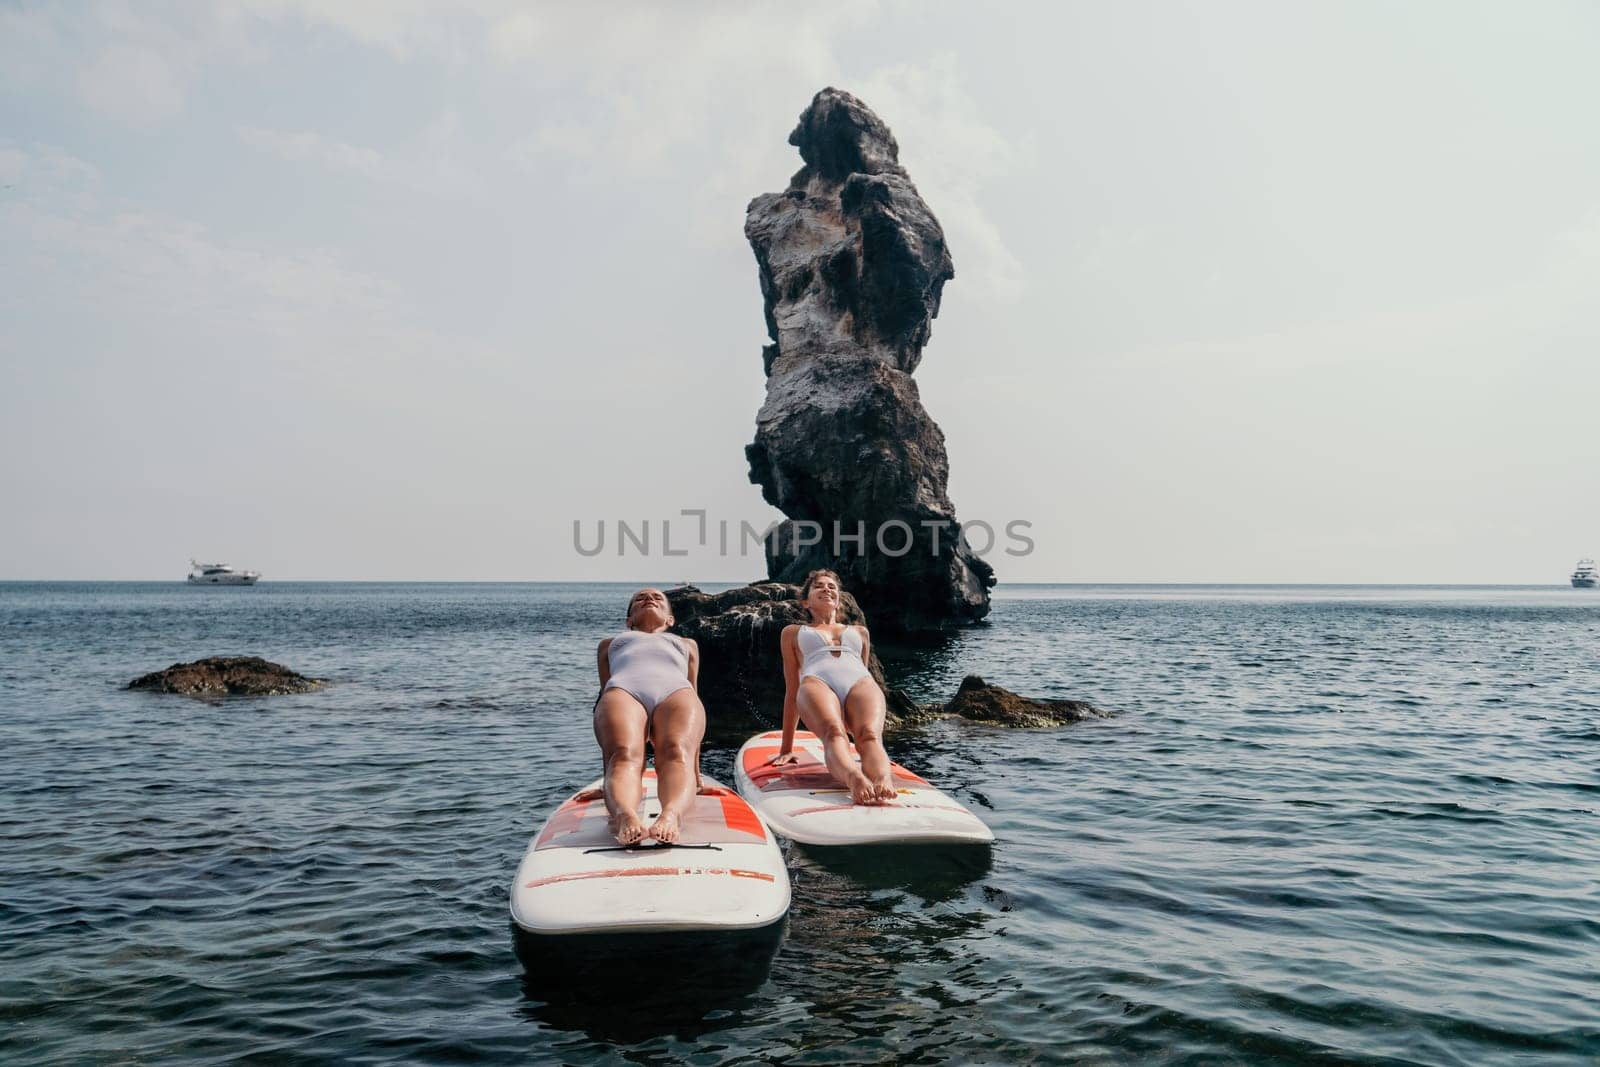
[(619, 722), (676, 729), (863, 714), (819, 710)]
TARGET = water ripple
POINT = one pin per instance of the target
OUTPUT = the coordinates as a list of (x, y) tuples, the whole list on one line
[(1326, 825)]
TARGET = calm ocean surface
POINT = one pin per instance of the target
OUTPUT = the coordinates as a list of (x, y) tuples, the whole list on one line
[(1326, 824)]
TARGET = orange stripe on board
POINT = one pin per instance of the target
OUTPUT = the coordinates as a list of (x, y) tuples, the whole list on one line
[(650, 872), (756, 766), (901, 772), (567, 819), (739, 816), (754, 758), (762, 772), (896, 807), (806, 778)]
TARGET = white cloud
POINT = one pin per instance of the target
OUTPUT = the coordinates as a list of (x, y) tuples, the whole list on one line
[(1582, 239), (952, 153), (660, 78), (87, 254), (431, 165), (135, 85), (559, 140), (666, 91), (514, 37), (124, 62), (398, 27), (133, 262), (29, 46), (36, 167), (312, 147), (137, 63), (669, 91)]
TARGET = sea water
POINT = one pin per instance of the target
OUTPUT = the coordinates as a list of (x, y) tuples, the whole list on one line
[(1330, 824)]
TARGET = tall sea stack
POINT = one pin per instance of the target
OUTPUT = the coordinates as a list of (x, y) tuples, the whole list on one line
[(852, 264)]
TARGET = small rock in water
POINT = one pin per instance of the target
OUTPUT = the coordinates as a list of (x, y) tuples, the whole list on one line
[(981, 702), (227, 675)]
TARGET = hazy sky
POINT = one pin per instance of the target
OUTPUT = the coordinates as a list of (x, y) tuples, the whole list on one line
[(1245, 291)]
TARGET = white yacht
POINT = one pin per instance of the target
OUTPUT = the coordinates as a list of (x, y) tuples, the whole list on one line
[(220, 574), (1585, 577)]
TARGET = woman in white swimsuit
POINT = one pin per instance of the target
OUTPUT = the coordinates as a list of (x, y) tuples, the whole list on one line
[(647, 692), (828, 686)]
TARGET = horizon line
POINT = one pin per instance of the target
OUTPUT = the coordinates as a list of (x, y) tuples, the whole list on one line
[(734, 582)]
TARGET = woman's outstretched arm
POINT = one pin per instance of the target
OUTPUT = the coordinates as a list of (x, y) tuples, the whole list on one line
[(791, 692)]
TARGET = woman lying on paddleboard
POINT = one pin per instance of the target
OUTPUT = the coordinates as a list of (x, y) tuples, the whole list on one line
[(647, 692), (828, 686)]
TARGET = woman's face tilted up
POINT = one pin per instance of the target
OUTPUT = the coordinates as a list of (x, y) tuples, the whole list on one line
[(822, 599), (649, 611)]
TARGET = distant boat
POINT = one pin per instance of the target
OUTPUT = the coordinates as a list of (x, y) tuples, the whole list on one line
[(1585, 577), (220, 574)]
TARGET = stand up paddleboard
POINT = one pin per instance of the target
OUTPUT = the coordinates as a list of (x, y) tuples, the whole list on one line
[(802, 802), (725, 873)]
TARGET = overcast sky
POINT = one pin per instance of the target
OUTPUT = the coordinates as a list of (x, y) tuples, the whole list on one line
[(1244, 291)]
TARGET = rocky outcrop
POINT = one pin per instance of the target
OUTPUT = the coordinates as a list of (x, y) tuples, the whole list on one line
[(227, 676), (981, 702), (852, 266), (741, 658), (741, 666)]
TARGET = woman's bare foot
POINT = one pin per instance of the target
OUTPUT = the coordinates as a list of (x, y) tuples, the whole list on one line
[(666, 828), (626, 828), (884, 788), (588, 795), (862, 791)]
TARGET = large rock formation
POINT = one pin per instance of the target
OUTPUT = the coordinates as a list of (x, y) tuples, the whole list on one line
[(852, 265), (227, 676)]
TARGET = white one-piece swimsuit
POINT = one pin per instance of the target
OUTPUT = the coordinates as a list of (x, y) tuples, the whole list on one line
[(651, 667), (839, 666)]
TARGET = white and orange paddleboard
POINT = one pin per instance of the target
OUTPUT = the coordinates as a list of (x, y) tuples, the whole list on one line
[(725, 873), (802, 802)]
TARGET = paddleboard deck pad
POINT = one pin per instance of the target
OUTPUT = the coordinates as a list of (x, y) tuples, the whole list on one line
[(725, 873), (802, 802)]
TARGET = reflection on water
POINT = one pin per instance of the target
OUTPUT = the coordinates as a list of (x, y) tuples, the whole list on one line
[(932, 873), (914, 661), (627, 988), (882, 940)]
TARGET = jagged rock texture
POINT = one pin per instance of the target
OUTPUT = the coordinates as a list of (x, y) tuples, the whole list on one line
[(227, 676), (852, 265), (982, 702)]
